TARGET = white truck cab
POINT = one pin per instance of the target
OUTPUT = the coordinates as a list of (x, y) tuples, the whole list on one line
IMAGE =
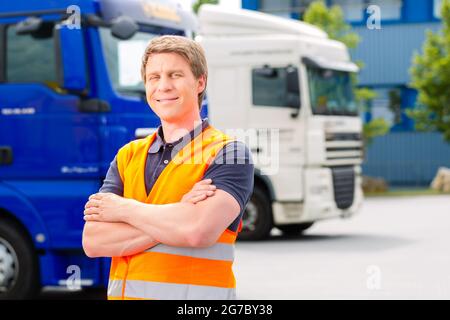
[(288, 86)]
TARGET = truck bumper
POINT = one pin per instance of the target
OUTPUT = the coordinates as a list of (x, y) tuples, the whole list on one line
[(320, 199)]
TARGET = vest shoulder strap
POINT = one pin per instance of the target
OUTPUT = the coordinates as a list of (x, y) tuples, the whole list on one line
[(128, 151)]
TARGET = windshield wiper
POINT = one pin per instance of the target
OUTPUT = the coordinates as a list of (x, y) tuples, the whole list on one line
[(348, 112), (336, 112)]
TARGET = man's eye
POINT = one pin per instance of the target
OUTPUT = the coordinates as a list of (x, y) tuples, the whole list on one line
[(153, 78), (176, 75)]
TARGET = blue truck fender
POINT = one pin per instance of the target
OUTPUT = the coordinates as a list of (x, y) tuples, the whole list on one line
[(20, 208)]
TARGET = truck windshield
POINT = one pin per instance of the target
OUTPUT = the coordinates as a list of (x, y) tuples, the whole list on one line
[(331, 92), (123, 59)]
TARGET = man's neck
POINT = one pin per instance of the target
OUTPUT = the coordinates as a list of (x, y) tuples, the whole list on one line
[(175, 130)]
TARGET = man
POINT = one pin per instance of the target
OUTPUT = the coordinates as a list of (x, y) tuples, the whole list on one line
[(169, 231)]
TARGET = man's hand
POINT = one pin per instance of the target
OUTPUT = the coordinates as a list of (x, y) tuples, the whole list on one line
[(201, 190), (108, 207)]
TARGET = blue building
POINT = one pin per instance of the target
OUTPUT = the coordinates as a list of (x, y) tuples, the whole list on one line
[(404, 156)]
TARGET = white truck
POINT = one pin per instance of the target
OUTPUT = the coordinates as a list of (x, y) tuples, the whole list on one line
[(289, 87)]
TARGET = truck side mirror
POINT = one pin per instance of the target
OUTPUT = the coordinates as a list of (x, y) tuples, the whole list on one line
[(293, 90), (266, 72), (293, 84), (71, 58), (29, 25), (124, 27)]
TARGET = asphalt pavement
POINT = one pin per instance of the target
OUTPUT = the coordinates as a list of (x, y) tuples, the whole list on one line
[(395, 248)]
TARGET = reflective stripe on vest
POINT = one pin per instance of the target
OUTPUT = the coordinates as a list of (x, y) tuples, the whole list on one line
[(115, 288), (136, 289), (167, 272), (219, 251)]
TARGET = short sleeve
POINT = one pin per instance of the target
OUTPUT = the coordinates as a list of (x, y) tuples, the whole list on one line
[(113, 182), (232, 171)]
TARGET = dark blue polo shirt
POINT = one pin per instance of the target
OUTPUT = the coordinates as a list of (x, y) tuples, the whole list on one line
[(231, 170)]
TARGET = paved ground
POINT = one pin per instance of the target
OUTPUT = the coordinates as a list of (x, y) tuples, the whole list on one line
[(396, 248)]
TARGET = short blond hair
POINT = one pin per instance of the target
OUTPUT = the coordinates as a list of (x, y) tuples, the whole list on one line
[(190, 50)]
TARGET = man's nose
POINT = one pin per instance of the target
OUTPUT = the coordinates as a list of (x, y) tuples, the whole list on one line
[(165, 84)]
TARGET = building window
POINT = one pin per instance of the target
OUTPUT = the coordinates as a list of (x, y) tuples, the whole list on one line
[(270, 87), (390, 9), (387, 105), (31, 57), (284, 8), (353, 9), (281, 8), (437, 6)]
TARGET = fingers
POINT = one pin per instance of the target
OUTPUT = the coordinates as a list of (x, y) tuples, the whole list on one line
[(204, 182), (203, 187), (92, 207), (91, 217), (96, 196), (196, 196), (91, 210), (203, 192), (200, 191), (92, 203), (199, 198)]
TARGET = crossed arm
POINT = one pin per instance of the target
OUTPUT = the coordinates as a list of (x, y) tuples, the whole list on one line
[(114, 239), (116, 226)]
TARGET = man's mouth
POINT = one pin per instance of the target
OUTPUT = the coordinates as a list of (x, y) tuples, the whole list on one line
[(167, 99)]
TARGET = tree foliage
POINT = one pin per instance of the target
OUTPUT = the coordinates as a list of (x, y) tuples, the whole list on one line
[(430, 76), (196, 6), (332, 21)]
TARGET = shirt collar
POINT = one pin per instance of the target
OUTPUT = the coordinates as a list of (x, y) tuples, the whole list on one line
[(159, 140)]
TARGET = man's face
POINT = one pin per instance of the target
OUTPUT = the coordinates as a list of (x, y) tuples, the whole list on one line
[(171, 87)]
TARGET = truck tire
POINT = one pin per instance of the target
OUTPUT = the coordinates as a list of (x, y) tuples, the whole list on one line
[(257, 220), (19, 269), (295, 229)]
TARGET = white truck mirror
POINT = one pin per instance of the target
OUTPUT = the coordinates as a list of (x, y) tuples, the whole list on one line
[(293, 90)]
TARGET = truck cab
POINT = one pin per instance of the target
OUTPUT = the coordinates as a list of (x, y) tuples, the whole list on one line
[(70, 97), (284, 88)]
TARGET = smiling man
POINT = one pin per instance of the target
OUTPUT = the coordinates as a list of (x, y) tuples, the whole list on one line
[(171, 205)]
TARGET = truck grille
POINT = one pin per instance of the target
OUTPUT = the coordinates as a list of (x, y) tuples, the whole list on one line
[(344, 186), (343, 148)]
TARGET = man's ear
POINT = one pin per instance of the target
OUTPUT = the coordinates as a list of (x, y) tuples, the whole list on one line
[(201, 84)]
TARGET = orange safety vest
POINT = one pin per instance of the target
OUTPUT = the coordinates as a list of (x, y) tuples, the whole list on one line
[(168, 272)]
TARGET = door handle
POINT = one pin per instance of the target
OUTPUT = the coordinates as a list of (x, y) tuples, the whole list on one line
[(6, 155)]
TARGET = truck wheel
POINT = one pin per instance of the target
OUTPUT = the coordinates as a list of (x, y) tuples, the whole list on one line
[(19, 271), (257, 220), (295, 229)]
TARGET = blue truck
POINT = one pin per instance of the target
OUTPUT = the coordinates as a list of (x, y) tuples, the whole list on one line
[(69, 99)]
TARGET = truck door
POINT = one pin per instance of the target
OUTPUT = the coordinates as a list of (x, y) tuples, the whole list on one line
[(50, 150), (275, 110)]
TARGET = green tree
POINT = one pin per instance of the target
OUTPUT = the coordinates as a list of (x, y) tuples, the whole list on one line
[(430, 76), (199, 3), (332, 21), (395, 104), (374, 128)]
